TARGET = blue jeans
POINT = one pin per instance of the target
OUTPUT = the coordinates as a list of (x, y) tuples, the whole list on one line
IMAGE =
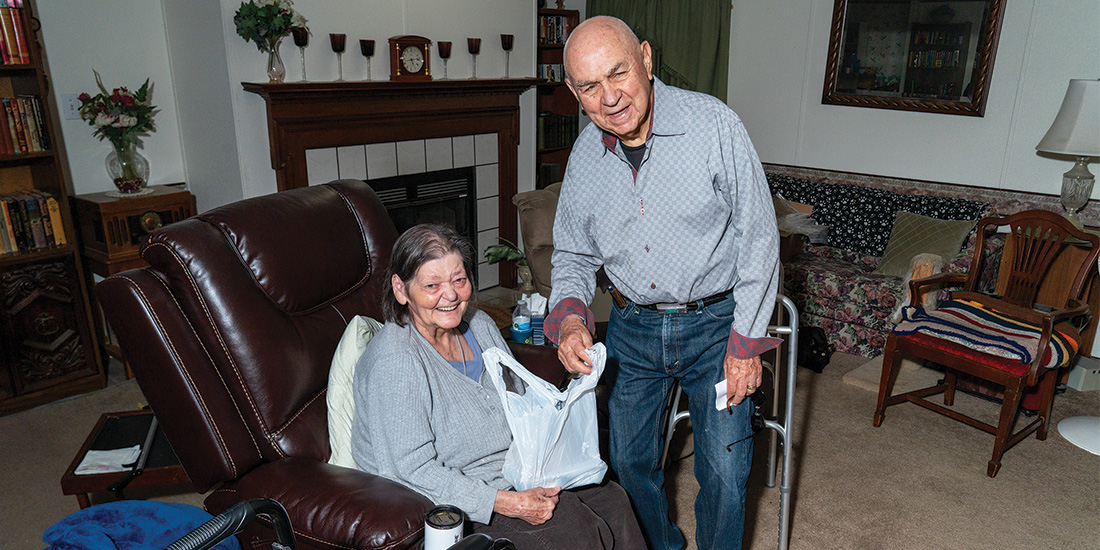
[(647, 351)]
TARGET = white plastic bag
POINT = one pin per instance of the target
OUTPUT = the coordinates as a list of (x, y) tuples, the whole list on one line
[(555, 440)]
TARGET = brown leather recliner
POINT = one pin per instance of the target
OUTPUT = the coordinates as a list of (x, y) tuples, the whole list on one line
[(230, 334)]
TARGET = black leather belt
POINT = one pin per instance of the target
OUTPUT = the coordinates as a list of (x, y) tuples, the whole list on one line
[(690, 306)]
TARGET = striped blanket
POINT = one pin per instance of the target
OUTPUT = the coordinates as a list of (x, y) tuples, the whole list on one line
[(968, 324)]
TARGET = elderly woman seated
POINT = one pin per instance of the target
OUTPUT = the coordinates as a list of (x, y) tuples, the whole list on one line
[(426, 416)]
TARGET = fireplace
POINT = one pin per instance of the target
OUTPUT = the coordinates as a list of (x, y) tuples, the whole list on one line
[(445, 197), (323, 130)]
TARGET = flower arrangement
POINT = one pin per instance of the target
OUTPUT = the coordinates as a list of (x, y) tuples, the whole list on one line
[(119, 115), (265, 22)]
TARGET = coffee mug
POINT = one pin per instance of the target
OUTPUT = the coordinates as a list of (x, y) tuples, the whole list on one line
[(442, 527)]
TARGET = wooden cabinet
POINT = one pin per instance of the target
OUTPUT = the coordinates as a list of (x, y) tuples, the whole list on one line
[(112, 231), (557, 108), (47, 346), (937, 61)]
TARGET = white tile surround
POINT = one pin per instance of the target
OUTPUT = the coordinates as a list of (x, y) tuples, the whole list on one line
[(383, 160)]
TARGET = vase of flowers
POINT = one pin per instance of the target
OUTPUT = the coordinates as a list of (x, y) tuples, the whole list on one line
[(120, 116), (265, 23)]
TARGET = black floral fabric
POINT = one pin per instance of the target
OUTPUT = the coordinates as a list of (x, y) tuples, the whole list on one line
[(860, 218)]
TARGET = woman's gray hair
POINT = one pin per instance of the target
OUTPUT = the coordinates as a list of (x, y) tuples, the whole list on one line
[(416, 247)]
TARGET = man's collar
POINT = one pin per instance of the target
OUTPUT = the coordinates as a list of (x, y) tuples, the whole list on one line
[(669, 122)]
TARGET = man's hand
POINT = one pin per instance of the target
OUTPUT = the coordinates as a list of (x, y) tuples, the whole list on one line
[(572, 343), (742, 378), (535, 506)]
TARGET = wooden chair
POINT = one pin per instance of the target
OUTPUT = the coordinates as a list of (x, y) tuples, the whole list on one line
[(1006, 339)]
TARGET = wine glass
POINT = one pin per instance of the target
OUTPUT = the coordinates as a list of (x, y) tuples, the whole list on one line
[(506, 42), (367, 47), (338, 41), (444, 54), (474, 46), (301, 39)]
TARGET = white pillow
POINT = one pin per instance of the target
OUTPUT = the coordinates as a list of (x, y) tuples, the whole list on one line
[(341, 398)]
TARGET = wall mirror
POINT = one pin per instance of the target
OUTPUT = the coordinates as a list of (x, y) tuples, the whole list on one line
[(913, 55)]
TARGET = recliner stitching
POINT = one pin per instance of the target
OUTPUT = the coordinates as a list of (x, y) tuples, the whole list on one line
[(221, 342), (187, 374)]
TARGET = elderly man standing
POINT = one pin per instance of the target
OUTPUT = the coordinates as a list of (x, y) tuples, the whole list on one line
[(666, 193)]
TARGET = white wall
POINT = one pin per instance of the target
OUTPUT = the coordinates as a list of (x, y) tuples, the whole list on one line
[(777, 70), (215, 135), (124, 40)]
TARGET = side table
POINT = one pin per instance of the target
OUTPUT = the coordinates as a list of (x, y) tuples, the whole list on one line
[(112, 231), (118, 430)]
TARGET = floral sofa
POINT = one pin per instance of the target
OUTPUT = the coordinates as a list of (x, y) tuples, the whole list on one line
[(834, 284)]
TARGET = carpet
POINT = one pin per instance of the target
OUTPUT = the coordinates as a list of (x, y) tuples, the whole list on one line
[(911, 376)]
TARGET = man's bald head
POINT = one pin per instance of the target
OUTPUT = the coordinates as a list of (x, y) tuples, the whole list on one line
[(600, 29)]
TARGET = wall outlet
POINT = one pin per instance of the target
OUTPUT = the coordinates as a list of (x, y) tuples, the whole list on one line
[(70, 106)]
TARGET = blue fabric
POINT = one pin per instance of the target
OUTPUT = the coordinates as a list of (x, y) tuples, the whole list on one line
[(129, 525), (647, 352), (472, 368)]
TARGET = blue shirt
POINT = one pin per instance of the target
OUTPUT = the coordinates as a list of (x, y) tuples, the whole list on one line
[(694, 220), (473, 366)]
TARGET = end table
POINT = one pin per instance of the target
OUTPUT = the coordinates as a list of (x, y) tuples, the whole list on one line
[(112, 230)]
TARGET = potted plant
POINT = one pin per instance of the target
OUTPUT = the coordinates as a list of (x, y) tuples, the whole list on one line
[(508, 250)]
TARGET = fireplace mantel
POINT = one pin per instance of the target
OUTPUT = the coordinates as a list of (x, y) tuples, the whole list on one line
[(318, 115)]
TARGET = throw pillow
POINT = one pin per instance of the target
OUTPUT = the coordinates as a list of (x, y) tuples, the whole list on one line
[(915, 234), (340, 397)]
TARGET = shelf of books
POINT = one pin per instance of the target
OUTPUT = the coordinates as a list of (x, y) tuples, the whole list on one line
[(49, 349), (558, 110)]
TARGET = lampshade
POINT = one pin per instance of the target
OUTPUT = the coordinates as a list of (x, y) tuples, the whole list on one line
[(1076, 129)]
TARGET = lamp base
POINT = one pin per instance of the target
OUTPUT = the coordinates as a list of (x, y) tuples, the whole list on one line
[(1077, 189), (1083, 431)]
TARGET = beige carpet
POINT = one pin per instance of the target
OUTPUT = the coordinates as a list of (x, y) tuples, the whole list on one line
[(911, 376), (918, 482)]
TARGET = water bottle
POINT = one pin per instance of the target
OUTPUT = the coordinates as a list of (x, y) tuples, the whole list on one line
[(521, 323)]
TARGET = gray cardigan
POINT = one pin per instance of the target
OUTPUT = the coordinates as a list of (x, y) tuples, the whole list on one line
[(421, 423)]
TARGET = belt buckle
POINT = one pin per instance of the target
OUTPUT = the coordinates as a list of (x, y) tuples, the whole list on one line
[(671, 308)]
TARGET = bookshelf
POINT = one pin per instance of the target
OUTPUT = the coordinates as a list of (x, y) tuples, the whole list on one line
[(936, 64), (558, 110), (47, 346)]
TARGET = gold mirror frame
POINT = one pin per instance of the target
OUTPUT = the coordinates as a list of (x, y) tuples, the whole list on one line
[(989, 35)]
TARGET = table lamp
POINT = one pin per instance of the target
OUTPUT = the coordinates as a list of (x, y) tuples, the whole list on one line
[(1076, 132)]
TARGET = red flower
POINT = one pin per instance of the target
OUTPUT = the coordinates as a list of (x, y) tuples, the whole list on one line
[(83, 97), (127, 100)]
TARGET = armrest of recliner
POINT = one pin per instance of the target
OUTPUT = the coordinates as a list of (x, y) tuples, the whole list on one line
[(540, 360), (330, 506)]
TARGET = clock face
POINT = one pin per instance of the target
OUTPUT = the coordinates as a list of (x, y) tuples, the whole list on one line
[(412, 59)]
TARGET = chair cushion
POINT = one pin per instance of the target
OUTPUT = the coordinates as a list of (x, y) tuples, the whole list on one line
[(916, 234), (340, 397), (986, 336)]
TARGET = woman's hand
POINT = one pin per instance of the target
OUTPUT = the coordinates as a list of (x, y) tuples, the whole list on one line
[(535, 506)]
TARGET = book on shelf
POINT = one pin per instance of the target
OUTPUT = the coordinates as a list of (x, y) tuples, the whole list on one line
[(31, 220), (555, 130), (54, 209), (24, 121), (554, 29), (9, 229), (34, 220), (12, 33), (7, 147)]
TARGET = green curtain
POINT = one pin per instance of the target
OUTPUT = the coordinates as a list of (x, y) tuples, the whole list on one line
[(690, 38)]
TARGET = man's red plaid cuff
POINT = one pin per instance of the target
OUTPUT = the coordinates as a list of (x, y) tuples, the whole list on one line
[(746, 348), (569, 306)]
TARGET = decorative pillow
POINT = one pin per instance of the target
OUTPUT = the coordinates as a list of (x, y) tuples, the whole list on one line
[(915, 234), (859, 218), (340, 397)]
